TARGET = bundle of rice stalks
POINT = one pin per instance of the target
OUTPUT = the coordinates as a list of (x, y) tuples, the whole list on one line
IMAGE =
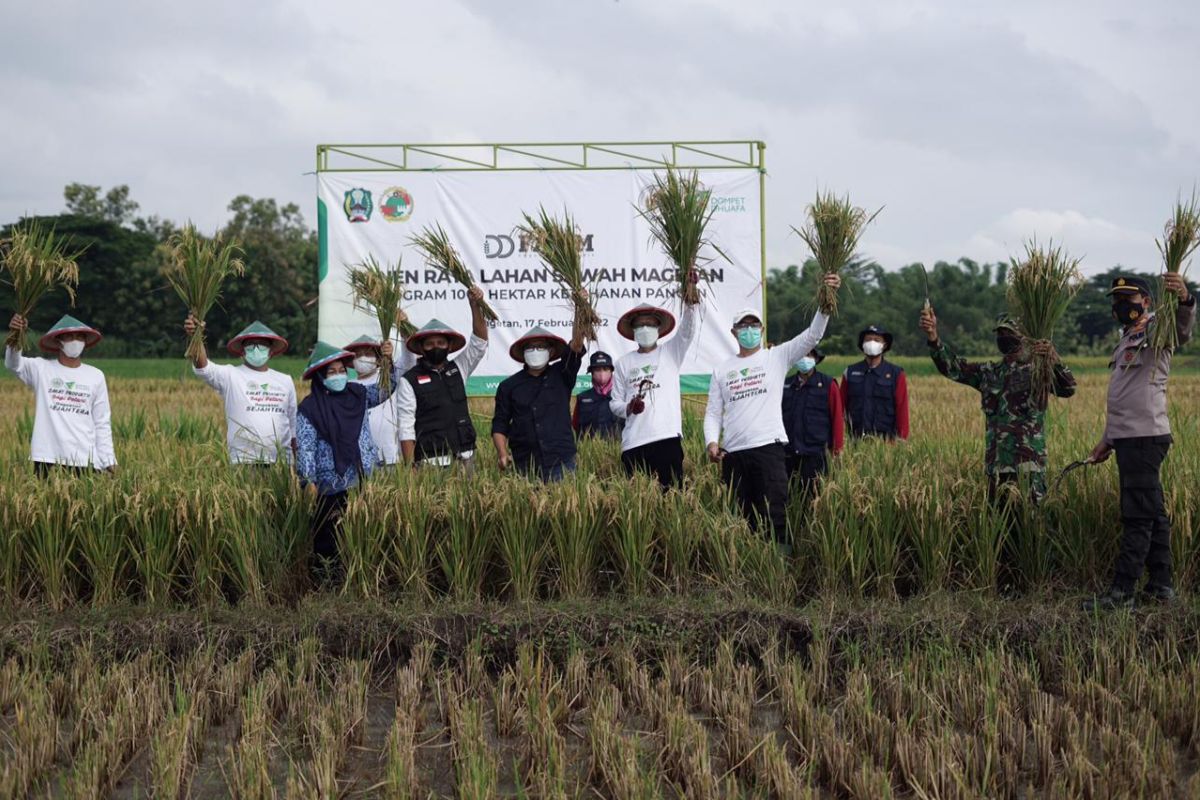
[(434, 244), (558, 243), (381, 291), (196, 270), (1180, 239), (1040, 287), (678, 211), (37, 261), (832, 233)]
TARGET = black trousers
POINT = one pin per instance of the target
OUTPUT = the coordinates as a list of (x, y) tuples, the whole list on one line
[(807, 470), (1146, 540), (663, 459), (326, 519), (759, 480), (44, 470)]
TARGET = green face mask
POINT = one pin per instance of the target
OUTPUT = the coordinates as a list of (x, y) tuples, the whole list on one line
[(257, 355), (749, 338)]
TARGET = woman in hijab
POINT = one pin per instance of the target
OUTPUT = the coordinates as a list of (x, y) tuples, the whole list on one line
[(334, 446)]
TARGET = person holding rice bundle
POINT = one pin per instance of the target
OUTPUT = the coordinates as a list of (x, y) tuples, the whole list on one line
[(435, 420), (334, 446), (743, 424), (533, 407), (72, 424), (383, 419), (260, 403), (1138, 430), (646, 391)]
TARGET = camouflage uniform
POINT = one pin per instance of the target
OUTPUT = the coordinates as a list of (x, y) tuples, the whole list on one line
[(1015, 437)]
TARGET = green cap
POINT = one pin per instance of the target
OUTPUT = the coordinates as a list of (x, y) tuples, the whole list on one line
[(1007, 322), (68, 324), (364, 341), (323, 355), (557, 344), (435, 327), (256, 330)]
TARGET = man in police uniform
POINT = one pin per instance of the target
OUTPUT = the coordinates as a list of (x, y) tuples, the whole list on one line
[(1137, 429), (812, 415), (875, 391), (593, 415), (431, 401), (1015, 435)]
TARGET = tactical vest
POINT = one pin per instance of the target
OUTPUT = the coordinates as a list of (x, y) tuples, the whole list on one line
[(443, 420), (806, 414), (871, 398), (595, 416)]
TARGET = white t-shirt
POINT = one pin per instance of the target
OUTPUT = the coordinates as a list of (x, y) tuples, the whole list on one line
[(384, 419), (658, 371), (745, 395), (466, 360), (72, 424), (260, 411)]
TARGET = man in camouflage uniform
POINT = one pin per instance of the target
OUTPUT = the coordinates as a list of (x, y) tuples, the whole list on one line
[(1015, 437)]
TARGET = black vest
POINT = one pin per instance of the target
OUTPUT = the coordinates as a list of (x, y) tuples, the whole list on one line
[(595, 417), (806, 414), (871, 398), (443, 421)]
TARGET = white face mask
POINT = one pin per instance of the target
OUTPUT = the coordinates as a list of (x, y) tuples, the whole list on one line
[(537, 357), (365, 365), (873, 348), (645, 336), (257, 355), (72, 349)]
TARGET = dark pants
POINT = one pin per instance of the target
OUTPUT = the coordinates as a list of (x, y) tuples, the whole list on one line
[(663, 459), (326, 520), (1146, 541), (807, 469), (759, 480), (44, 470), (1006, 494)]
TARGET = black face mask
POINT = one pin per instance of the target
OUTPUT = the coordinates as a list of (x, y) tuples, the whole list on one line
[(437, 356), (1127, 312), (1008, 344)]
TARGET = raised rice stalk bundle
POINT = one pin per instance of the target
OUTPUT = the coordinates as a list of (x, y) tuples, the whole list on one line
[(1040, 287), (434, 243), (1180, 239), (37, 261), (558, 243), (380, 290), (832, 232), (196, 270), (678, 212)]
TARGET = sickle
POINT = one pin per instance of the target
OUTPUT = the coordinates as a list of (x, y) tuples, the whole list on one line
[(1074, 465)]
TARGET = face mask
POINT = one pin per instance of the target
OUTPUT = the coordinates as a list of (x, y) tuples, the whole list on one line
[(601, 383), (257, 355), (1127, 312), (873, 348), (364, 365), (645, 336), (537, 357), (1008, 344), (336, 383), (72, 349), (806, 365), (749, 338), (437, 355)]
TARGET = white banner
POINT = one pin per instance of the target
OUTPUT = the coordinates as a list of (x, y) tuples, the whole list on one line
[(374, 214)]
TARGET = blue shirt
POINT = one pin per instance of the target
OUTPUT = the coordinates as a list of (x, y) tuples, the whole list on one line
[(314, 458)]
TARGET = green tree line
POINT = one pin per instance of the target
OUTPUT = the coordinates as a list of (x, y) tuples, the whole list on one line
[(122, 292)]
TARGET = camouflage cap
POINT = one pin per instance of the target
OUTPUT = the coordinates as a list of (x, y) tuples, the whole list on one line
[(1007, 322)]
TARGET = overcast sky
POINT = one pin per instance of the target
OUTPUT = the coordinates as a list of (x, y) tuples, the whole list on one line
[(977, 124)]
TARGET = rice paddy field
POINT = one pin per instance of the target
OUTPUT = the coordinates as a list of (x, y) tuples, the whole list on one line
[(498, 638)]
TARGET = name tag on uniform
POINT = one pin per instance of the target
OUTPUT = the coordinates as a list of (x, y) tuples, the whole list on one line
[(585, 400), (424, 379)]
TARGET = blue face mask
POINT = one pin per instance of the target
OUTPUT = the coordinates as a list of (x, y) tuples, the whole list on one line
[(806, 364), (336, 383), (749, 338), (257, 355)]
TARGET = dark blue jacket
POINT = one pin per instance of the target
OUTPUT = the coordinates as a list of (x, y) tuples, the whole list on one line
[(810, 414), (876, 400), (594, 417), (534, 412)]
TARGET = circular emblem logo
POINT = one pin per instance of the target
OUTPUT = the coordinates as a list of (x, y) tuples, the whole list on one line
[(396, 205)]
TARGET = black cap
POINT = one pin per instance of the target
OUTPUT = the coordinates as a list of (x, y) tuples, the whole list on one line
[(878, 331), (817, 355), (1128, 284), (600, 360)]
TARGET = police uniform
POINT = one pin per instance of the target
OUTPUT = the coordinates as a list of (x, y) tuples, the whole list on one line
[(812, 415), (593, 415), (876, 398), (1139, 432)]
